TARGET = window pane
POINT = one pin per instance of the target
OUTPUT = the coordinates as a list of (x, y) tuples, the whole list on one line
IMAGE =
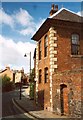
[(40, 45), (46, 71), (75, 44), (46, 51), (39, 50), (39, 55), (75, 49), (45, 45), (46, 75), (75, 39), (75, 36)]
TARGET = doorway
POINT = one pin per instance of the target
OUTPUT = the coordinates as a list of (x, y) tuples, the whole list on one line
[(64, 99)]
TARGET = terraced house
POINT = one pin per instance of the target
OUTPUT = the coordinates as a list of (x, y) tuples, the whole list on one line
[(59, 62)]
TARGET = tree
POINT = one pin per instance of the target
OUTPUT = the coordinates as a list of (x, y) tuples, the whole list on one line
[(32, 75), (5, 80), (31, 80), (7, 85)]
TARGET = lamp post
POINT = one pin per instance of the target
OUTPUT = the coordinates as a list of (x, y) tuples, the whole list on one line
[(30, 59), (20, 88), (31, 84)]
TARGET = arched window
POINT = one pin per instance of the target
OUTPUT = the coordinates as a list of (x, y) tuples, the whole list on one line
[(40, 50), (46, 74), (40, 76), (45, 46), (75, 44)]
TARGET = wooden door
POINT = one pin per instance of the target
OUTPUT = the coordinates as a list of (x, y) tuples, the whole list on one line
[(64, 99)]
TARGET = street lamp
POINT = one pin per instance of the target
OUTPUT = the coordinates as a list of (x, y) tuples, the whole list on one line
[(31, 82), (30, 59)]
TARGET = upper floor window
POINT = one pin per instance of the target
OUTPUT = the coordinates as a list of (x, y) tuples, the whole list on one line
[(46, 74), (40, 76), (39, 50), (45, 46), (75, 44)]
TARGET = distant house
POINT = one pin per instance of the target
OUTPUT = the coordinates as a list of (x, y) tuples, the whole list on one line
[(7, 71), (18, 75), (15, 75), (59, 62)]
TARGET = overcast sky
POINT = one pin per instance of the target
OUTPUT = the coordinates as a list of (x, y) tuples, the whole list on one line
[(19, 21)]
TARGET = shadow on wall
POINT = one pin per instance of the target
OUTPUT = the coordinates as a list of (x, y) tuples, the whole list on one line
[(41, 98)]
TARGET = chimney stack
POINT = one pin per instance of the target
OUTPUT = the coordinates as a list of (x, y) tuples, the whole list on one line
[(54, 9), (7, 67)]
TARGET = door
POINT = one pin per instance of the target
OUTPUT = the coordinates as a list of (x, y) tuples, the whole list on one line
[(64, 99)]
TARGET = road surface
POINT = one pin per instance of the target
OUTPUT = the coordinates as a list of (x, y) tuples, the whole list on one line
[(9, 110)]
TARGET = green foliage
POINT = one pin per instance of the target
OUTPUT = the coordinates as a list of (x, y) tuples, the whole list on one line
[(31, 90), (5, 80), (32, 75), (7, 85)]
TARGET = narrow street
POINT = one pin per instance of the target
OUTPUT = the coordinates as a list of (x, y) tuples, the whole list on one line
[(9, 110)]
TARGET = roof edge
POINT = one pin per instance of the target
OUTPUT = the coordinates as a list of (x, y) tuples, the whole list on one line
[(40, 28), (61, 10)]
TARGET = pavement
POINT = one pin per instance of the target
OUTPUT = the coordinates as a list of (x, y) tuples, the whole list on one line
[(29, 106)]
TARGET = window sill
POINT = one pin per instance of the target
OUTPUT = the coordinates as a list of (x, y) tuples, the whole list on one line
[(45, 57), (76, 56), (39, 60)]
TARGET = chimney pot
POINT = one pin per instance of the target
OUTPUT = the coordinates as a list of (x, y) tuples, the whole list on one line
[(54, 9)]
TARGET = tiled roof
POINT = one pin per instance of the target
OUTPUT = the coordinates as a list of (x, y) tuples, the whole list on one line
[(67, 15), (3, 71), (62, 15)]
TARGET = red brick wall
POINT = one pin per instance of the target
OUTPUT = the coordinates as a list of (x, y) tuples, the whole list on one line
[(65, 60), (44, 88), (73, 81), (68, 72)]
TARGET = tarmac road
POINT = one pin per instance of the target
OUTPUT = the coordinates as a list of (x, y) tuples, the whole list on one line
[(9, 110)]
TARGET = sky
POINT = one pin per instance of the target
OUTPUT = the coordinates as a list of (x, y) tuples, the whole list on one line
[(18, 22)]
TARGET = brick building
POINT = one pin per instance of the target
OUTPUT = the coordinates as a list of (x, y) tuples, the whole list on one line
[(59, 62)]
